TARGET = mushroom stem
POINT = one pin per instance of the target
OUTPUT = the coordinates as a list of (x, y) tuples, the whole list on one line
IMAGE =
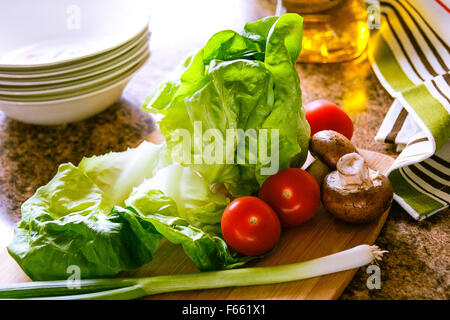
[(353, 171)]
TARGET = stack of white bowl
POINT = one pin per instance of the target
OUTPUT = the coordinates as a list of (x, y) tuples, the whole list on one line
[(65, 60)]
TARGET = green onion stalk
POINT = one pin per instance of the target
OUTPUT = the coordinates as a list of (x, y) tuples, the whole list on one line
[(134, 288)]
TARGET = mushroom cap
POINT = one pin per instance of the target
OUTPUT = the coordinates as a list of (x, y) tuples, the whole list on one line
[(359, 204), (329, 146)]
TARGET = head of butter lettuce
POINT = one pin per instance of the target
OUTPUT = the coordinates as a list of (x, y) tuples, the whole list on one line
[(109, 213), (244, 81)]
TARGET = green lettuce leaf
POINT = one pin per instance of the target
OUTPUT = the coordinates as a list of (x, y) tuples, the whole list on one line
[(76, 220), (206, 250), (68, 222), (116, 173), (242, 81), (182, 208), (190, 193)]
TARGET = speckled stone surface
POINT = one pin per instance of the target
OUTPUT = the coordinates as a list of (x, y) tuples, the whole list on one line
[(417, 266)]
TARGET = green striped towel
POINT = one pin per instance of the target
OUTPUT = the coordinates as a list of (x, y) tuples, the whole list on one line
[(410, 55)]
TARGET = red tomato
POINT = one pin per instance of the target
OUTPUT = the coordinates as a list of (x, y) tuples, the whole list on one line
[(250, 226), (294, 194), (325, 115)]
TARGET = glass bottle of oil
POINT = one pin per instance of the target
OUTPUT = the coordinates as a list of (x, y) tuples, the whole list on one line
[(333, 30)]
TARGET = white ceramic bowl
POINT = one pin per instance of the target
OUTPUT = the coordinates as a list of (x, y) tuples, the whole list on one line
[(76, 86), (70, 109), (46, 33), (76, 67), (67, 79)]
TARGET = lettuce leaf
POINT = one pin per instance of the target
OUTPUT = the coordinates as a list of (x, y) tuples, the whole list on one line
[(96, 242), (206, 250), (78, 218), (116, 173), (242, 81), (70, 220), (192, 198), (181, 207)]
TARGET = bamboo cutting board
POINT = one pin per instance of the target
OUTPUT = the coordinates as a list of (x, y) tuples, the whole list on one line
[(321, 236)]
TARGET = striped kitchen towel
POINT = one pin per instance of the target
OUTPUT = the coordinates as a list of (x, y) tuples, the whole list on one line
[(411, 57)]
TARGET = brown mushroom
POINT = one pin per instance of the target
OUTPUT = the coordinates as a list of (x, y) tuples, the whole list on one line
[(329, 146), (354, 192)]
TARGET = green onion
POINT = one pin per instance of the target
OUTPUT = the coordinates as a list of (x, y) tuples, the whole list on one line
[(133, 288), (58, 288)]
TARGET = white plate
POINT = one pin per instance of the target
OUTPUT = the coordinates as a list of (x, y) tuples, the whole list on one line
[(70, 109), (45, 33)]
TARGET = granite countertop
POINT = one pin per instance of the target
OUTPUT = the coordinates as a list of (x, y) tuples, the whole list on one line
[(417, 266)]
